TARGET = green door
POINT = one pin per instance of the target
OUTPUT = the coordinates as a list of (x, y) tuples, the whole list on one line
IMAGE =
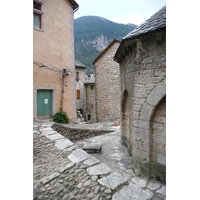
[(44, 104)]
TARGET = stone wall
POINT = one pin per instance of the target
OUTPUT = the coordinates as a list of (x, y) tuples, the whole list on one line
[(108, 84), (75, 134), (143, 84)]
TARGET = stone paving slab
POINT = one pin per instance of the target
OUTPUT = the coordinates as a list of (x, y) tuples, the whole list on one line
[(55, 137), (78, 155), (139, 182), (63, 143), (162, 190), (131, 192), (112, 181), (51, 132), (91, 161), (152, 185), (98, 169), (68, 166)]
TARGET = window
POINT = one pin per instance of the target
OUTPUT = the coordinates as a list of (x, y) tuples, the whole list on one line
[(92, 87), (77, 76), (38, 14), (78, 94)]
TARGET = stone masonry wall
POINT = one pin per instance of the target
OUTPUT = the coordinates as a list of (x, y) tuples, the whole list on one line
[(108, 84), (143, 72)]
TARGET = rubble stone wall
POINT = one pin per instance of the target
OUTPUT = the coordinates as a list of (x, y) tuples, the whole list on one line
[(108, 84), (75, 134)]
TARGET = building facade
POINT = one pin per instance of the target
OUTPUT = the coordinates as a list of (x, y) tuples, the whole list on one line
[(80, 88), (108, 84), (90, 98), (142, 58), (53, 58)]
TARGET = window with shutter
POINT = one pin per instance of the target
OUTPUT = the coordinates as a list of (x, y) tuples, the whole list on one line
[(77, 76), (78, 94)]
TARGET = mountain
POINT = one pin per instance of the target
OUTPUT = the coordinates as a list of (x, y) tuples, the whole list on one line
[(93, 34)]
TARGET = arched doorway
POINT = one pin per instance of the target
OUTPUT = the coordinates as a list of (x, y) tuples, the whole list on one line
[(126, 120), (158, 142)]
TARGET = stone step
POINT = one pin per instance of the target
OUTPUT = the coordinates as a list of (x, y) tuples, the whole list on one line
[(92, 148)]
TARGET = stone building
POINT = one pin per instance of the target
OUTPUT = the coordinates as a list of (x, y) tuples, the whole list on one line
[(53, 58), (108, 84), (90, 98), (80, 88), (142, 58)]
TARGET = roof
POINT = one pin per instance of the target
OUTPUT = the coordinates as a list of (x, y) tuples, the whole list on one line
[(74, 5), (105, 50), (79, 64), (156, 21), (90, 79)]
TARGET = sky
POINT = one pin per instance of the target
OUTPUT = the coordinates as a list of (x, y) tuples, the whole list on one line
[(120, 11)]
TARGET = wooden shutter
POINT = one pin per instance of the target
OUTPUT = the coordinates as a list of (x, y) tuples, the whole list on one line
[(78, 94), (77, 76)]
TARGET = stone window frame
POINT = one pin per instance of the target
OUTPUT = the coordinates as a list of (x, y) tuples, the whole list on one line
[(41, 13), (53, 99)]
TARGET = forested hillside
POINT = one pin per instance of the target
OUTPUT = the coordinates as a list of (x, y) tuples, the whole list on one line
[(93, 34)]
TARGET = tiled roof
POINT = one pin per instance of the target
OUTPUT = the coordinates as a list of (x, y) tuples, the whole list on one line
[(156, 21), (79, 64)]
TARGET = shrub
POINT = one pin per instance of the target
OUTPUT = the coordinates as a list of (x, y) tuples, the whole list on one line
[(61, 117)]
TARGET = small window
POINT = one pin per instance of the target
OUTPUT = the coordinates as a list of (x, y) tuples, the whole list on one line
[(78, 94), (92, 87), (77, 76), (38, 14)]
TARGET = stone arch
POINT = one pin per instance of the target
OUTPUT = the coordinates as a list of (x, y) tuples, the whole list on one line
[(158, 142), (147, 113), (126, 119)]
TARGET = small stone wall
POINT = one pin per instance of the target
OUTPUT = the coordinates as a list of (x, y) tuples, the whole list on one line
[(75, 134)]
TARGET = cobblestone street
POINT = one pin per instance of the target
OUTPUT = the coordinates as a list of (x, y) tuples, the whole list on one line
[(63, 171)]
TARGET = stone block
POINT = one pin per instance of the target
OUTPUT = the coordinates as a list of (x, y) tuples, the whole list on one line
[(146, 112), (157, 94), (92, 147)]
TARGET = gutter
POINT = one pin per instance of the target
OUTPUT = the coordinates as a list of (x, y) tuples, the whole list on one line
[(75, 5)]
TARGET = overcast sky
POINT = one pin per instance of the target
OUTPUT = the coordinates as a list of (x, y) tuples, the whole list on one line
[(120, 11)]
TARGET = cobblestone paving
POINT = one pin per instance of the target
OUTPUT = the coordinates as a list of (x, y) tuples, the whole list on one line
[(70, 173)]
